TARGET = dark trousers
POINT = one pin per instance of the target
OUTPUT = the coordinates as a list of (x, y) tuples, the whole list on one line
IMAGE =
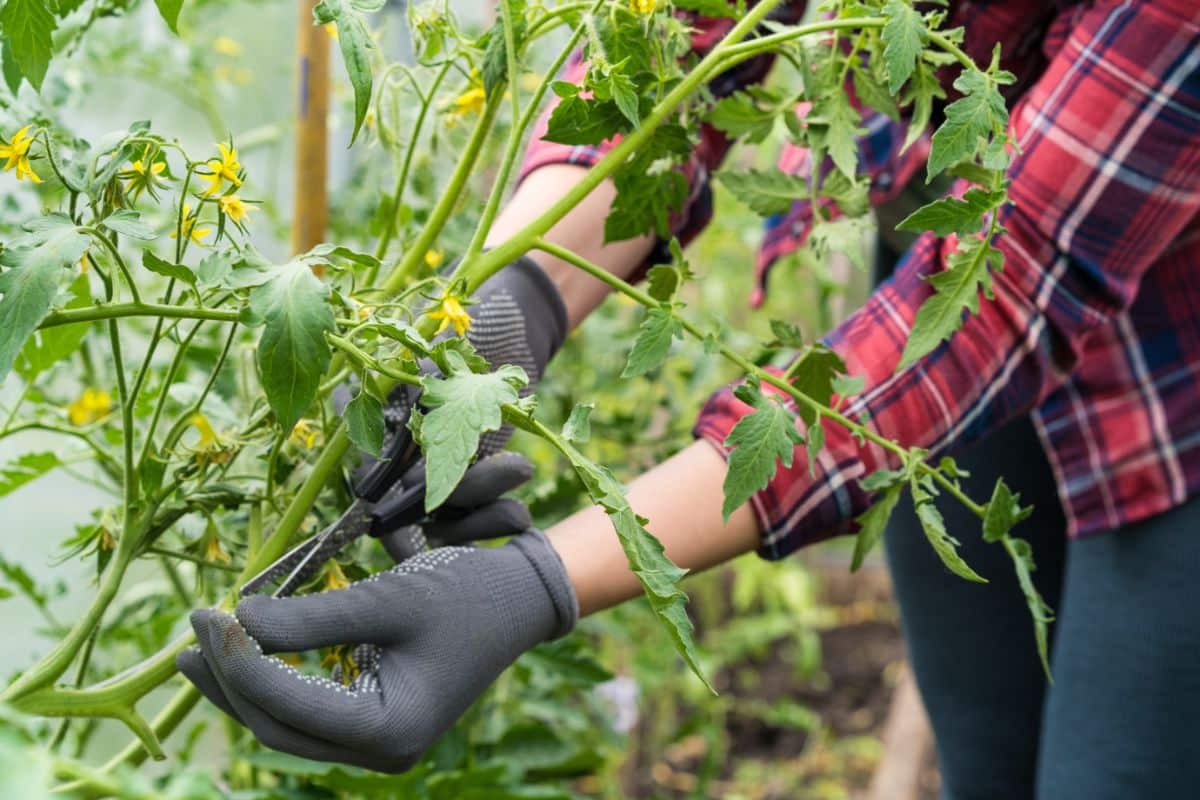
[(1122, 719)]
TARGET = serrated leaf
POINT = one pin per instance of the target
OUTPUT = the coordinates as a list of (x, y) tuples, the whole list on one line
[(945, 545), (495, 53), (787, 335), (951, 215), (661, 282), (740, 116), (814, 442), (292, 351), (649, 186), (922, 90), (47, 347), (161, 266), (463, 406), (766, 192), (851, 195), (169, 9), (812, 374), (833, 128), (36, 272), (648, 561), (364, 423), (653, 342), (872, 523), (128, 223), (28, 27), (24, 469), (579, 121), (847, 385), (903, 39), (760, 440), (356, 45), (1022, 557), (578, 427), (956, 290), (870, 91), (1003, 512), (970, 120)]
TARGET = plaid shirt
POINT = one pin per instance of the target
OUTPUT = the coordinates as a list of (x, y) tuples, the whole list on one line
[(1095, 325)]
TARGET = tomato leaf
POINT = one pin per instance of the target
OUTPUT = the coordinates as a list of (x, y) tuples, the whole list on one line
[(464, 406), (47, 347), (292, 351), (24, 469), (1021, 554), (356, 45), (708, 8), (767, 191), (951, 215), (28, 26), (578, 427), (578, 121), (128, 223), (903, 39), (169, 9), (759, 440), (740, 116), (873, 522), (970, 120), (1003, 512), (161, 266), (658, 576), (364, 422), (653, 342), (36, 271), (956, 289), (934, 525), (813, 374)]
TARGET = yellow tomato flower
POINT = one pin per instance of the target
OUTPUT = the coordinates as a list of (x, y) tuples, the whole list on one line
[(213, 551), (143, 177), (331, 29), (451, 312), (226, 46), (643, 6), (234, 207), (225, 168), (305, 434), (433, 258), (208, 436), (365, 312), (189, 226), (469, 102), (16, 155), (335, 579), (90, 406)]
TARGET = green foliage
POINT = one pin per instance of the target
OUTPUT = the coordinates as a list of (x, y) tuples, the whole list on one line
[(26, 467), (904, 40), (934, 525), (465, 405), (951, 215), (292, 352), (740, 115), (956, 289), (356, 45), (873, 522), (364, 422), (28, 26), (578, 428), (653, 342), (767, 191), (970, 122), (35, 271), (813, 374), (759, 440)]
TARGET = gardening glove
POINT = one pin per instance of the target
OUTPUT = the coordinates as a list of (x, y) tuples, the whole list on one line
[(519, 319), (445, 624), (474, 510)]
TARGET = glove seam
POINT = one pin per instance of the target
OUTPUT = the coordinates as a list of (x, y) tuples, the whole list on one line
[(562, 594)]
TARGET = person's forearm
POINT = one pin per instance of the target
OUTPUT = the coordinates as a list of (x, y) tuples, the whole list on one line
[(581, 230), (682, 499)]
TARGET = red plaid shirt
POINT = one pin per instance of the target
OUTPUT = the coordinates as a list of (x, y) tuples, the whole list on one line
[(1095, 327)]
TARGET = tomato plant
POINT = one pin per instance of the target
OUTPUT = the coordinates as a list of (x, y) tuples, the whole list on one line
[(197, 373)]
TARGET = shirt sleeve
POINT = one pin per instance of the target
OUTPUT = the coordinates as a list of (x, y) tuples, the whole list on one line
[(1106, 180)]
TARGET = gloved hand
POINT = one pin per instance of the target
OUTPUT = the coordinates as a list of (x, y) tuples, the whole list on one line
[(518, 318), (445, 623)]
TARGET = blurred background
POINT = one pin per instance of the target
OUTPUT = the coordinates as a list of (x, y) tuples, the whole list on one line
[(807, 657)]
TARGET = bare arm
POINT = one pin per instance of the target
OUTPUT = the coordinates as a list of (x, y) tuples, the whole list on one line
[(682, 496)]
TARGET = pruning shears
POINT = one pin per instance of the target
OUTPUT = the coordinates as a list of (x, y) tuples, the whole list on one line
[(384, 503)]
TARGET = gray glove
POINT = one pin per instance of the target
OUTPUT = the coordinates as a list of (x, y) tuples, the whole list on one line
[(519, 318), (444, 625)]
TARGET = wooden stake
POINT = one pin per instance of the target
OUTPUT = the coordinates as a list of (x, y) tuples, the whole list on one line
[(310, 208)]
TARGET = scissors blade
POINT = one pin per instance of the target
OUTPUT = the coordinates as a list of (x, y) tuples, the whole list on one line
[(296, 566)]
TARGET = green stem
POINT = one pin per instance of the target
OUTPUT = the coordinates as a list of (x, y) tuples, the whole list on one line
[(180, 555), (71, 316), (98, 235)]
